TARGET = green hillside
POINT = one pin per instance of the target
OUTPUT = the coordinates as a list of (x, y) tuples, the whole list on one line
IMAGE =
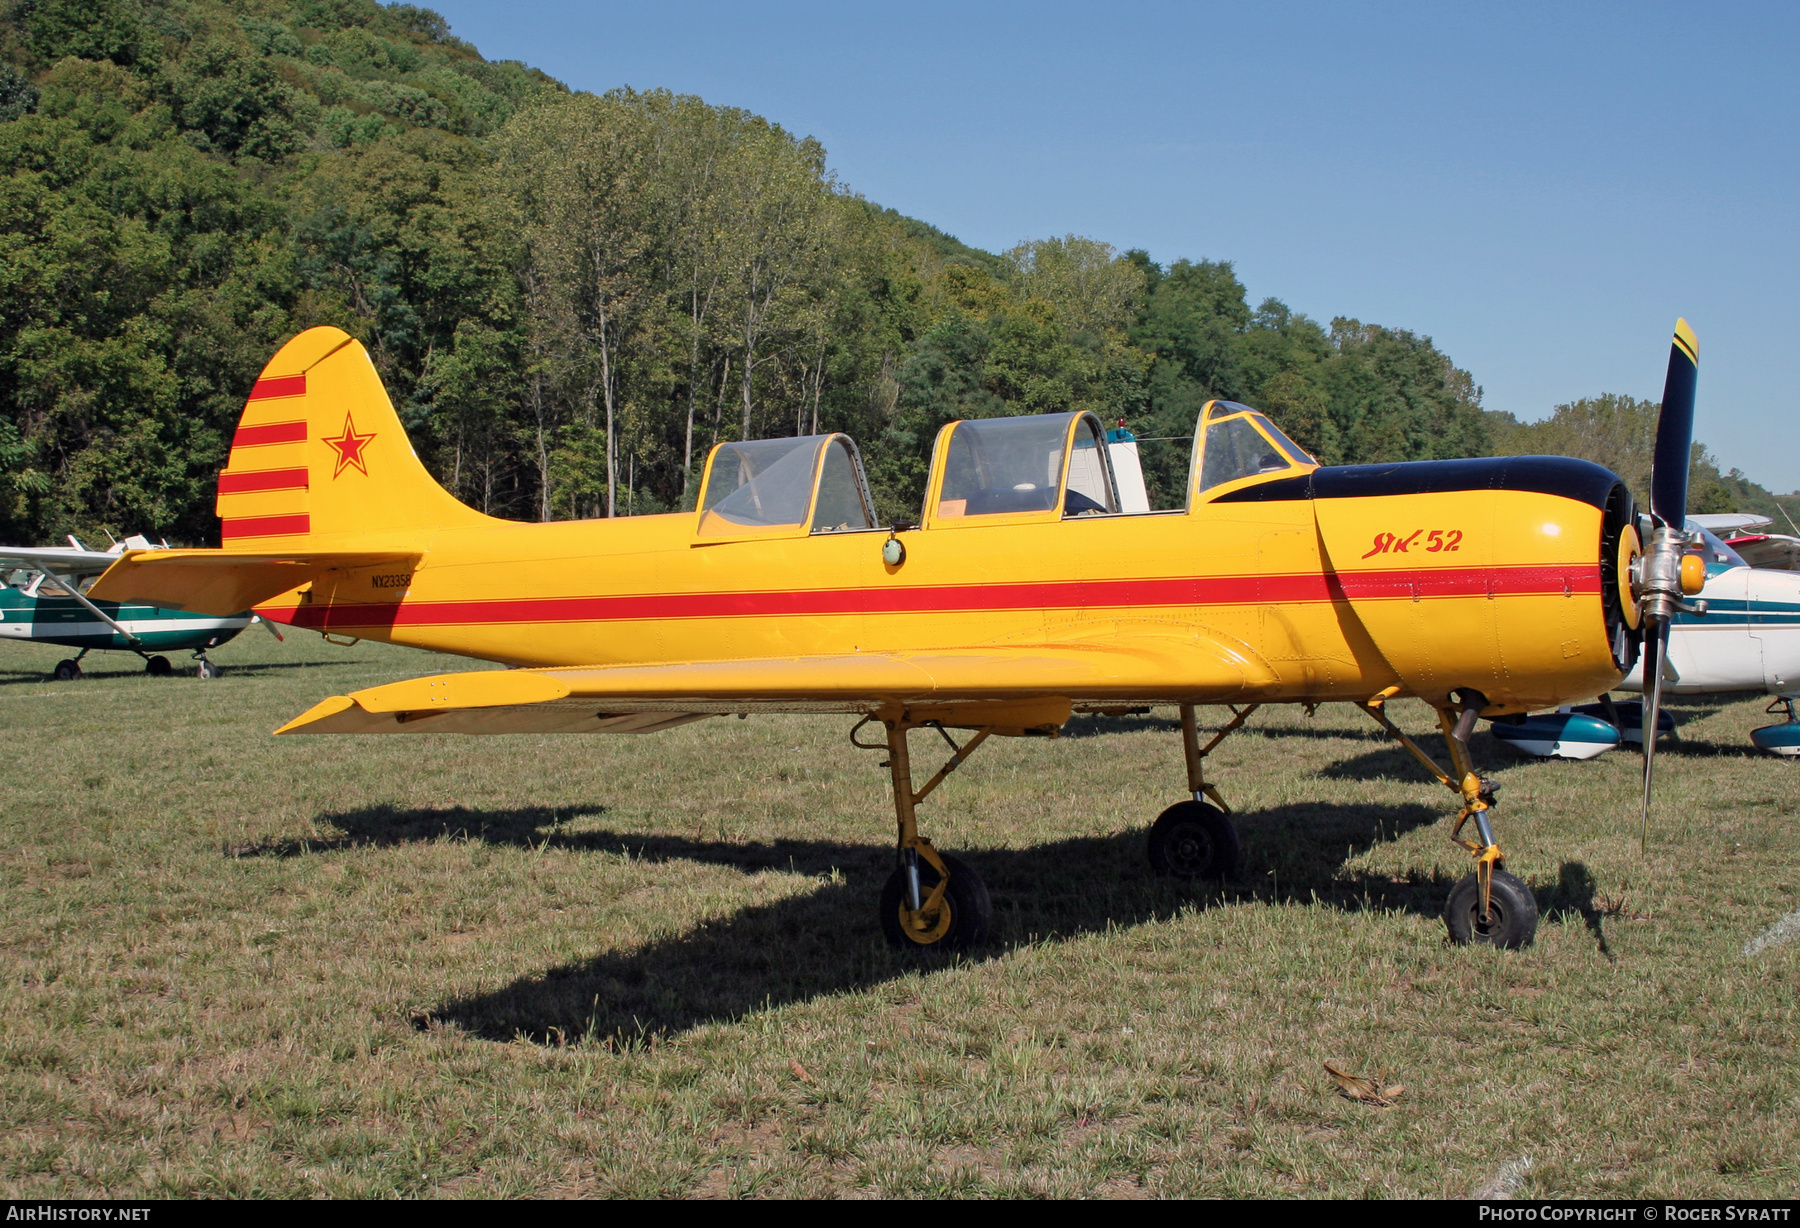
[(571, 297)]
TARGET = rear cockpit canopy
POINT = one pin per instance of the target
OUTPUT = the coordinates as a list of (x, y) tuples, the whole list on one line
[(784, 488), (1034, 467)]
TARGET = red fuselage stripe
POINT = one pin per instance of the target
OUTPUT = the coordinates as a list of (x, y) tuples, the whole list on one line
[(279, 386), (269, 432), (1078, 594), (261, 479), (265, 526)]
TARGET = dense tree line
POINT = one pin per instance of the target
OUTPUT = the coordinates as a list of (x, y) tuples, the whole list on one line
[(1620, 432), (571, 297)]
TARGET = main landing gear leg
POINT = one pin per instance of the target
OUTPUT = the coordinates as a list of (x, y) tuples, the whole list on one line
[(1193, 839), (931, 901), (1489, 906)]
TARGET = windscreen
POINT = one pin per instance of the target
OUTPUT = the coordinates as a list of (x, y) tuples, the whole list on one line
[(1294, 450), (1717, 553), (1236, 449)]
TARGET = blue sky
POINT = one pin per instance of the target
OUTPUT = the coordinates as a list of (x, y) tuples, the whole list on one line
[(1540, 188)]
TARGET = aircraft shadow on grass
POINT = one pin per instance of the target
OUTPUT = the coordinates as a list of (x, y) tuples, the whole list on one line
[(825, 941)]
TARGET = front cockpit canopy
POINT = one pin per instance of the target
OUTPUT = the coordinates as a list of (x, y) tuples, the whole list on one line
[(784, 488), (1233, 442)]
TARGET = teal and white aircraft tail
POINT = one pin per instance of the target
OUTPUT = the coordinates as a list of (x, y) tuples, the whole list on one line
[(42, 602)]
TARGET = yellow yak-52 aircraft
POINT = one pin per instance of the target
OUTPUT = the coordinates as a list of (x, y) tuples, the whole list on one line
[(1483, 587)]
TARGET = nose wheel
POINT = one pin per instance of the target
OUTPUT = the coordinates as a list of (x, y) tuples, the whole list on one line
[(1490, 906), (1512, 913)]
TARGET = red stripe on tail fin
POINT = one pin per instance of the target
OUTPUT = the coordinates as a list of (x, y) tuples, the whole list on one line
[(264, 526), (261, 479), (269, 432), (278, 386)]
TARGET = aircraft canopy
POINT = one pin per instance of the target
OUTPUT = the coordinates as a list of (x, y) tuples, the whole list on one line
[(1233, 442), (1039, 465), (784, 487)]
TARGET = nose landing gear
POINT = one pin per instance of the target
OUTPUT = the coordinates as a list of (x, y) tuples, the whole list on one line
[(1489, 906)]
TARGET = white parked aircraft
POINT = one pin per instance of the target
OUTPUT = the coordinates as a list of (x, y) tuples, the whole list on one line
[(1747, 642)]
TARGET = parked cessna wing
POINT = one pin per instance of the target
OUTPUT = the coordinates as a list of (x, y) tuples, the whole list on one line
[(42, 602), (1744, 533), (1027, 592)]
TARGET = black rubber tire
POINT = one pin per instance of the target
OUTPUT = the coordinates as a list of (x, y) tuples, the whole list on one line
[(1193, 840), (1512, 913), (971, 909), (67, 670), (206, 669), (158, 667)]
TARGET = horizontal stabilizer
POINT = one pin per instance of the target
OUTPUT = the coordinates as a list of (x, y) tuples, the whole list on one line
[(222, 582), (1012, 687)]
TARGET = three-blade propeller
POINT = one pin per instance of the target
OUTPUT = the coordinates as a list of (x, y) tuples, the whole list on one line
[(1659, 580)]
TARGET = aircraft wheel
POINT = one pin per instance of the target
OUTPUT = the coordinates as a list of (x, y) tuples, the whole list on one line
[(205, 669), (158, 667), (68, 670), (965, 918), (1194, 840), (1512, 913)]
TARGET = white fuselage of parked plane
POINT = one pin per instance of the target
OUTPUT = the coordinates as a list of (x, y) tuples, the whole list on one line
[(1748, 641)]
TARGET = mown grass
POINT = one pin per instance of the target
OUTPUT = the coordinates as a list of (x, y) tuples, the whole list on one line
[(235, 965)]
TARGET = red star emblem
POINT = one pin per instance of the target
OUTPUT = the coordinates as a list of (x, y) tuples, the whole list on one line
[(350, 447)]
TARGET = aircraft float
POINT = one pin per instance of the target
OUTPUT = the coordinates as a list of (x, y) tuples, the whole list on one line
[(1747, 642), (47, 606), (1024, 594)]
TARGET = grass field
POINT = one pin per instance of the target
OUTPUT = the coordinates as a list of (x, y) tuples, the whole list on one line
[(235, 965)]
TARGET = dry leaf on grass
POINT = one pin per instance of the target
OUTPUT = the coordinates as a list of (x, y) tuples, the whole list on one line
[(1369, 1091)]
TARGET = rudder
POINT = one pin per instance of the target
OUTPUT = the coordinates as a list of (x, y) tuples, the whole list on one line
[(320, 457)]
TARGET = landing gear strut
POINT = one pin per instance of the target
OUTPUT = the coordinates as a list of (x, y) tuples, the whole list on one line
[(931, 901), (1196, 839), (1489, 906)]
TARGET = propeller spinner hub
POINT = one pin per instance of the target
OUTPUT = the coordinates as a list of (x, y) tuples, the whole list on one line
[(1657, 577)]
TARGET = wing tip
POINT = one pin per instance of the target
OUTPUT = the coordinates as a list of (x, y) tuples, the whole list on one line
[(323, 710)]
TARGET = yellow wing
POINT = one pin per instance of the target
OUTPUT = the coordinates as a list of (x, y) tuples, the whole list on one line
[(1011, 687)]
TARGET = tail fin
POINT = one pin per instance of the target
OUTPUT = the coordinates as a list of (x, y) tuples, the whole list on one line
[(320, 458)]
